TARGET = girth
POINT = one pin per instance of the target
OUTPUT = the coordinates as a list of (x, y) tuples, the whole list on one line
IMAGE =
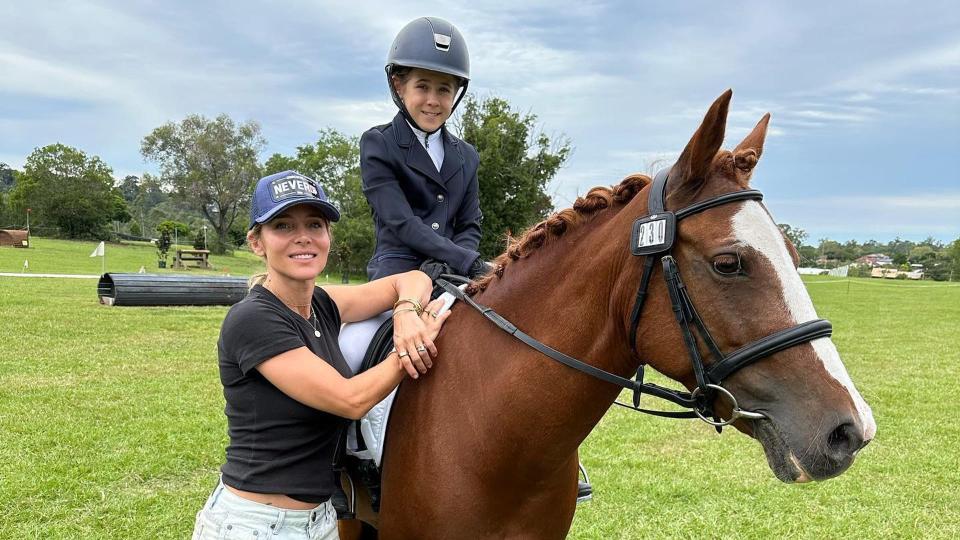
[(653, 237)]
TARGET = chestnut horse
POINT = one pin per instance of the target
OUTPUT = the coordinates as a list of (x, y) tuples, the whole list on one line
[(485, 445)]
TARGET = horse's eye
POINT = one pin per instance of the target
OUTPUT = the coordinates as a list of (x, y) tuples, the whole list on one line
[(727, 264)]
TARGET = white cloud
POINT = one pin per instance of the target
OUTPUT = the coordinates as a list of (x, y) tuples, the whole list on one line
[(351, 117), (884, 74), (890, 203), (864, 217), (34, 76)]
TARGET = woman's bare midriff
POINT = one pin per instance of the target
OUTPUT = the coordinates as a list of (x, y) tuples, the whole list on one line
[(273, 499)]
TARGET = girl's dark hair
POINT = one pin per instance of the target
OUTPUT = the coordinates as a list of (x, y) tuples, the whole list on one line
[(402, 74)]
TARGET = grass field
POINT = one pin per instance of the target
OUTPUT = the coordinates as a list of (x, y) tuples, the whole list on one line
[(49, 256), (111, 424)]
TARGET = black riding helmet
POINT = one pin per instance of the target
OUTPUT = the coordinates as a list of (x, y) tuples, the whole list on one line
[(429, 43)]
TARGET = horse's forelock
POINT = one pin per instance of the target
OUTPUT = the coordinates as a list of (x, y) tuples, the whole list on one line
[(597, 199)]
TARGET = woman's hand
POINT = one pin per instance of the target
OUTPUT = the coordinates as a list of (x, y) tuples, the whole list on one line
[(413, 336)]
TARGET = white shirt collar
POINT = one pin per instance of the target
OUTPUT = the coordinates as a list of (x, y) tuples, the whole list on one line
[(422, 136)]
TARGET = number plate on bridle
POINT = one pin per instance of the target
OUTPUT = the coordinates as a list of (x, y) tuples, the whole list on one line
[(653, 234)]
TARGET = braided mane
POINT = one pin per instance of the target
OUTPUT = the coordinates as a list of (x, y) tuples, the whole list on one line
[(597, 199)]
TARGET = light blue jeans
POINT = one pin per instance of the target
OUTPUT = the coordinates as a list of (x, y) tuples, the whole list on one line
[(227, 515)]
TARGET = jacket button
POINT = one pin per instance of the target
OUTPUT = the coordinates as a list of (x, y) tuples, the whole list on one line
[(435, 226), (440, 197)]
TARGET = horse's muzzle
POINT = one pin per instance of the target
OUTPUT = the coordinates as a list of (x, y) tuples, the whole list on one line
[(794, 457)]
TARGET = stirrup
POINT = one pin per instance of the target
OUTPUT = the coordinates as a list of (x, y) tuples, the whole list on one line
[(584, 489)]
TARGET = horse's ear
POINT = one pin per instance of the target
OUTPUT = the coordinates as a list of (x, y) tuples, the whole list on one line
[(693, 165), (748, 152)]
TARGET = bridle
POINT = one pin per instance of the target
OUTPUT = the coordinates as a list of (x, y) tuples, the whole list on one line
[(653, 237)]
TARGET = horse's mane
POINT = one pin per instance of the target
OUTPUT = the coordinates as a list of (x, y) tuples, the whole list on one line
[(597, 199)]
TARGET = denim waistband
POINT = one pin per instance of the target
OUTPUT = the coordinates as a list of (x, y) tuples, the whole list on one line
[(222, 499)]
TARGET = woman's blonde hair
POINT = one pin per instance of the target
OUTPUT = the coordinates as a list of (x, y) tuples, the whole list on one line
[(260, 277)]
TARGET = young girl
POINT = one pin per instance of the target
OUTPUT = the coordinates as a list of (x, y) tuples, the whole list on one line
[(288, 391), (421, 180)]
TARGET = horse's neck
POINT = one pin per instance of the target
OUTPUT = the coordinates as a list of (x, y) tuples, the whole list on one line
[(562, 296), (571, 292)]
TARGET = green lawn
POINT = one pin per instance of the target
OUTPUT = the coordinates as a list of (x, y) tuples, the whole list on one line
[(49, 256), (658, 478), (111, 422)]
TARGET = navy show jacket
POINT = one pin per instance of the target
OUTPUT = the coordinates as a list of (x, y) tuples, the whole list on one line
[(419, 212)]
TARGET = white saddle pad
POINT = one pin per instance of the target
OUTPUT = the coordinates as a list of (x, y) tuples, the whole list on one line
[(373, 426)]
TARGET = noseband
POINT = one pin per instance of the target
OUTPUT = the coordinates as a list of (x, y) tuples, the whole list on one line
[(653, 237)]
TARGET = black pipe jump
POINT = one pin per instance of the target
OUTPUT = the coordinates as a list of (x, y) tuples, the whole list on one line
[(170, 290)]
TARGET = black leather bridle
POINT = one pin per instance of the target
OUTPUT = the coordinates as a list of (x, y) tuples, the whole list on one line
[(653, 237)]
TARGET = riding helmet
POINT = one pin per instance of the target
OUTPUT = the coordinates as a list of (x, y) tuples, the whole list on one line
[(429, 43)]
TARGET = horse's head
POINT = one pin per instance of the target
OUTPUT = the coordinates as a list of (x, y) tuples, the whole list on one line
[(740, 273)]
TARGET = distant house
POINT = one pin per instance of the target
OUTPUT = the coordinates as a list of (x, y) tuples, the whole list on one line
[(874, 260), (894, 273)]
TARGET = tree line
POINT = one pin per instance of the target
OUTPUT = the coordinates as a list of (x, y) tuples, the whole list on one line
[(941, 261), (208, 167)]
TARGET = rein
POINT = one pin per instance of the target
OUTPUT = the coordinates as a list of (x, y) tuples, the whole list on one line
[(653, 237)]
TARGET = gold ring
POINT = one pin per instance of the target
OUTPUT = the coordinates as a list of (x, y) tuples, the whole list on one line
[(404, 353), (434, 314)]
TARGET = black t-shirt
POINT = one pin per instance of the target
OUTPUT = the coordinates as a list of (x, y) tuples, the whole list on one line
[(277, 444)]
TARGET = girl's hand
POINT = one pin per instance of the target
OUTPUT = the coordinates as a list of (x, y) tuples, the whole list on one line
[(413, 337)]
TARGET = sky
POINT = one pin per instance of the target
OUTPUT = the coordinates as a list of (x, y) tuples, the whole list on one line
[(864, 141)]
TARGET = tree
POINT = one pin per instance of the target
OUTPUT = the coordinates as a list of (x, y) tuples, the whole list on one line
[(796, 236), (954, 254), (210, 163), (129, 188), (922, 254), (170, 227), (830, 250), (163, 246), (516, 164), (67, 189), (7, 181), (334, 160), (7, 177), (150, 204), (899, 249), (3, 211), (808, 255)]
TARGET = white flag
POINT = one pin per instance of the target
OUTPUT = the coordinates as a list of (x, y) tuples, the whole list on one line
[(26, 264), (98, 252)]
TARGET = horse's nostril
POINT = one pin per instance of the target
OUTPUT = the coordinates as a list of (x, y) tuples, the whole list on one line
[(846, 439)]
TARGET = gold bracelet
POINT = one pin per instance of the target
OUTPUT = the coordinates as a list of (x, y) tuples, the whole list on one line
[(404, 309), (416, 305)]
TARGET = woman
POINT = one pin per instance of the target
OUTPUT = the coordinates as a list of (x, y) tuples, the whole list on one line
[(288, 391), (421, 180)]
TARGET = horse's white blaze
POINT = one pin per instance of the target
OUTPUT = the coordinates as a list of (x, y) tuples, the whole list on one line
[(754, 227)]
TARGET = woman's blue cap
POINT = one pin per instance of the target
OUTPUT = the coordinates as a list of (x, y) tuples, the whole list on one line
[(277, 192)]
